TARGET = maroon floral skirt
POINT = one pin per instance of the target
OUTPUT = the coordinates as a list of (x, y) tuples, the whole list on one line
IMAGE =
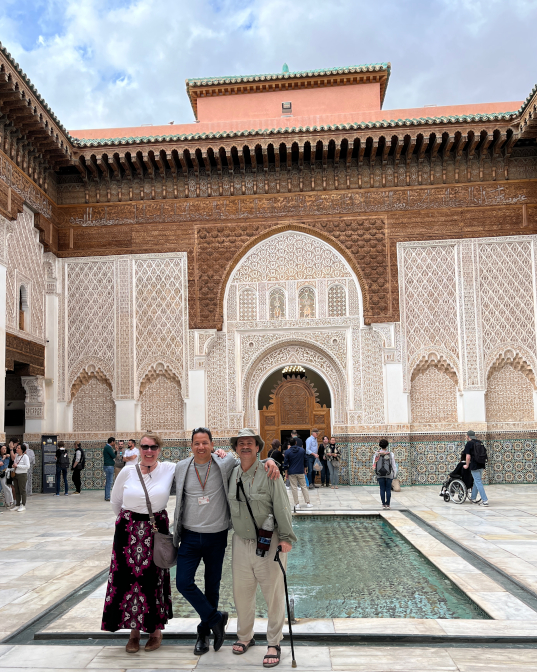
[(139, 593)]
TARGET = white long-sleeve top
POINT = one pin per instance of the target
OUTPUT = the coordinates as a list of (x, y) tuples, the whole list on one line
[(128, 493), (23, 464)]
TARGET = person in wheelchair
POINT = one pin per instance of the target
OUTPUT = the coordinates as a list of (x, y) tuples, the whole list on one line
[(458, 485)]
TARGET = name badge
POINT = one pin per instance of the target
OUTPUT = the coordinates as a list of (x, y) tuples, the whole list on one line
[(203, 500)]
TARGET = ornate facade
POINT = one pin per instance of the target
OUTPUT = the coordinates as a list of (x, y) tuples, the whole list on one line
[(158, 282)]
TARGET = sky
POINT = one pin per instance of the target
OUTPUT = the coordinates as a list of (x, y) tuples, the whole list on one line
[(120, 63)]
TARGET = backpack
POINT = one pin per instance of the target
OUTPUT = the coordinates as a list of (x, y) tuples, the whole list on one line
[(480, 452), (82, 462), (383, 466)]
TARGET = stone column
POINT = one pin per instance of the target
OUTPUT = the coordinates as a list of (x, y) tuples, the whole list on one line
[(127, 416), (34, 404), (472, 406), (397, 401), (196, 404), (3, 272), (51, 424)]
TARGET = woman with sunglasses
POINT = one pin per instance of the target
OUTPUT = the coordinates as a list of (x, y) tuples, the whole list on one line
[(138, 597)]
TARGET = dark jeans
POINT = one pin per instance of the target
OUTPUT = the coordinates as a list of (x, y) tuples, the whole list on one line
[(385, 489), (311, 472), (76, 479), (325, 476), (210, 548), (59, 472)]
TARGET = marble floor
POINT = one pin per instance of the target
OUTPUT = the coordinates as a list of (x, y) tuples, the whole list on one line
[(60, 543)]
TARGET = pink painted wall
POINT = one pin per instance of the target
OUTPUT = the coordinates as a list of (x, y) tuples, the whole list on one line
[(266, 105), (296, 120)]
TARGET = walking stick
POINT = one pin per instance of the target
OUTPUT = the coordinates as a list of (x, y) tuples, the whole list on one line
[(277, 559)]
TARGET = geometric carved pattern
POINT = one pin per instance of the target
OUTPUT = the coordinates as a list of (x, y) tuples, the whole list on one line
[(247, 305), (160, 320), (26, 266), (430, 299), (162, 405), (509, 396), (433, 397), (506, 288), (94, 409), (337, 301), (290, 256), (90, 313)]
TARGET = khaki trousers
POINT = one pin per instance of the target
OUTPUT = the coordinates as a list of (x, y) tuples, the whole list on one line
[(300, 481), (249, 571)]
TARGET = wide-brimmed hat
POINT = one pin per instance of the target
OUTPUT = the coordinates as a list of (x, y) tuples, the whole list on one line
[(246, 432)]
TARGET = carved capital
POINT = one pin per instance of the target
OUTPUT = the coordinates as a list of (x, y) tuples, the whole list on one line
[(35, 396)]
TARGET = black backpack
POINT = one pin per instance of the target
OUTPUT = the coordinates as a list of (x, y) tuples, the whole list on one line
[(383, 466), (480, 452), (82, 462)]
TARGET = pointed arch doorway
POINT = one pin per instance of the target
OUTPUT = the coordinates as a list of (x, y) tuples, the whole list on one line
[(294, 402)]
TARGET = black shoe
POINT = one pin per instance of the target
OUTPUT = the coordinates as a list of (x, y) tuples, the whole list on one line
[(219, 631), (202, 645)]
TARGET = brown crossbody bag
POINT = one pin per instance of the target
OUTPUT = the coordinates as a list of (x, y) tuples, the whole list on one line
[(164, 552)]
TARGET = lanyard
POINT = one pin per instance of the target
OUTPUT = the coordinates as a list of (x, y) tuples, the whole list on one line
[(206, 474), (253, 477)]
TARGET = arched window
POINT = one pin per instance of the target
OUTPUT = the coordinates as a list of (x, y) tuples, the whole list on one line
[(306, 303), (277, 304), (337, 301), (248, 305), (23, 308)]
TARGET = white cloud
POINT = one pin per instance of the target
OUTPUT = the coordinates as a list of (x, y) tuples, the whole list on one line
[(109, 65)]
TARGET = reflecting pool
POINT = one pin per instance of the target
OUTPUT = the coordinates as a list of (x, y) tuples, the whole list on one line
[(354, 567)]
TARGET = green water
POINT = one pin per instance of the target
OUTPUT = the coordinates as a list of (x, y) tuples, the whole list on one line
[(344, 567)]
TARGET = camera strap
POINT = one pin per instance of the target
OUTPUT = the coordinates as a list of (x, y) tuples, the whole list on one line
[(241, 486)]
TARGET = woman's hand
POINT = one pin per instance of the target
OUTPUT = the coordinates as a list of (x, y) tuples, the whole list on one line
[(272, 469), (285, 546), (220, 453)]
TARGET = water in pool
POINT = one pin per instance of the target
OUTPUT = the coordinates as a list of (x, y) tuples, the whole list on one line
[(348, 567)]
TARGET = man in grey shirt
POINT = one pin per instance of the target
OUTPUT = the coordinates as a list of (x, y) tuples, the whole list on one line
[(201, 524)]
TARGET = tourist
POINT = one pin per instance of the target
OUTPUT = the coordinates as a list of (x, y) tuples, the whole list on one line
[(333, 456), (62, 465), (31, 457), (385, 471), (249, 484), (109, 457), (201, 524), (312, 455), (323, 449), (79, 462), (139, 596), (119, 462), (5, 462), (131, 455), (276, 454), (294, 435), (295, 467), (21, 465), (476, 457)]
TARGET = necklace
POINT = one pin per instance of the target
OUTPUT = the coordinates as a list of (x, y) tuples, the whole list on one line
[(252, 482)]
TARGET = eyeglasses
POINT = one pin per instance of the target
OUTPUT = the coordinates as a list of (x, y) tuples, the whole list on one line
[(143, 446)]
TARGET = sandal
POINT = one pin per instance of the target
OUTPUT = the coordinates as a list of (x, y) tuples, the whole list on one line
[(272, 655), (244, 647)]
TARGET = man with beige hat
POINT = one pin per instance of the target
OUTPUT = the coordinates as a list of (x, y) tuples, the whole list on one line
[(261, 518)]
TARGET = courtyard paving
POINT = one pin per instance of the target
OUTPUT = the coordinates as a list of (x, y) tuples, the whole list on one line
[(59, 543)]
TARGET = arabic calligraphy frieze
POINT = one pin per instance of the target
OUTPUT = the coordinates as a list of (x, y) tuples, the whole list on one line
[(233, 209)]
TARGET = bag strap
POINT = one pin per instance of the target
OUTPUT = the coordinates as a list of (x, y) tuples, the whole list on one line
[(148, 501), (241, 486)]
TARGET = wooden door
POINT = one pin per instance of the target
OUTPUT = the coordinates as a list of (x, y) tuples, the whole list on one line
[(293, 405)]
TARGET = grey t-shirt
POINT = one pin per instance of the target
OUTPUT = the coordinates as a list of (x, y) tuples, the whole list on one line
[(207, 518)]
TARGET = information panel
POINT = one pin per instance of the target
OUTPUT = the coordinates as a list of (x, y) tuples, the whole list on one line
[(49, 445)]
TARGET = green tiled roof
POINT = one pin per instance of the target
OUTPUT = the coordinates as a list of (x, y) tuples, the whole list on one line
[(364, 125), (325, 72)]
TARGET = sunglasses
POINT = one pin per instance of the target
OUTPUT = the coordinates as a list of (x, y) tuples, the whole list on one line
[(144, 446)]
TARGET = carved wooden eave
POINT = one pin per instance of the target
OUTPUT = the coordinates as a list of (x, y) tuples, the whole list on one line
[(31, 133), (527, 124)]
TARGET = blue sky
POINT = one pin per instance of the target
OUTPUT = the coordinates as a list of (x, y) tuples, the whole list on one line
[(109, 63)]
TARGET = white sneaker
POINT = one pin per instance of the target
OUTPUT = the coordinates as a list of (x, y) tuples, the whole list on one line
[(309, 506), (297, 506), (21, 508)]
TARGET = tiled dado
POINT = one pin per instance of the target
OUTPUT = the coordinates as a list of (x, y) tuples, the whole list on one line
[(423, 459)]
